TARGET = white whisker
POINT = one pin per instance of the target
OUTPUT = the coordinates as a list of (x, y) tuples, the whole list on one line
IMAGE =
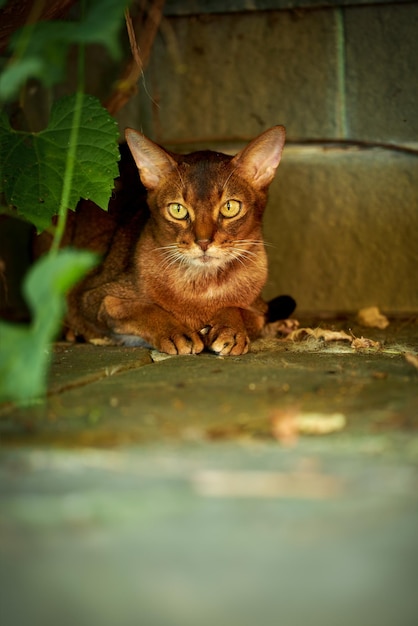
[(250, 243), (258, 242), (172, 246), (269, 244), (238, 257), (228, 177), (254, 241), (172, 256), (242, 251), (243, 255), (245, 252)]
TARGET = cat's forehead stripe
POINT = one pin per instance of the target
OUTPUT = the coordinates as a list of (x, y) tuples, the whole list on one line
[(198, 176)]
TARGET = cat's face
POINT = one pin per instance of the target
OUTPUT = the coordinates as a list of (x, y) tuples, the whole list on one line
[(205, 216), (207, 207)]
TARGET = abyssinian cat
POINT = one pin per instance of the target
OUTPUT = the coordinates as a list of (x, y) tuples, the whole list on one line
[(184, 270)]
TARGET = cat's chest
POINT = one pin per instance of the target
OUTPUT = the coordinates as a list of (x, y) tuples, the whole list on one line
[(197, 296), (203, 292), (194, 289)]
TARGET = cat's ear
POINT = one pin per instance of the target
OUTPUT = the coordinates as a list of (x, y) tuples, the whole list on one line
[(258, 161), (152, 161)]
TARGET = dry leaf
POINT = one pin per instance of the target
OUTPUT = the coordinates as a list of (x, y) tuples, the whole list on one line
[(287, 424), (320, 423), (361, 343), (281, 327), (372, 318), (411, 358), (261, 484), (157, 356), (101, 341), (284, 426), (318, 333), (380, 375)]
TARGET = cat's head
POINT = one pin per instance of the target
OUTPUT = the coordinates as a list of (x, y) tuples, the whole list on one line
[(206, 207)]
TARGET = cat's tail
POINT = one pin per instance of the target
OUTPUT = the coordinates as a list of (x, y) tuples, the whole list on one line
[(280, 308)]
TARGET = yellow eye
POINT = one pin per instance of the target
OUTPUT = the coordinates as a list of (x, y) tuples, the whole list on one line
[(231, 208), (178, 211)]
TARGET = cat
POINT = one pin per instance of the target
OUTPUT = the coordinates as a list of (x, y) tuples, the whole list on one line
[(183, 268)]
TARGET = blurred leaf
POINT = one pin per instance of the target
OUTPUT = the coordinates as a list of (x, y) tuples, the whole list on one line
[(33, 165), (40, 50), (24, 350)]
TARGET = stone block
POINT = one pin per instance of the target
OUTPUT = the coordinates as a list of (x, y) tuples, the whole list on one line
[(231, 76), (382, 86), (343, 229)]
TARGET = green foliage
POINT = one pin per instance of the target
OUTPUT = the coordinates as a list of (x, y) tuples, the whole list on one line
[(40, 50), (24, 353), (34, 165), (46, 173)]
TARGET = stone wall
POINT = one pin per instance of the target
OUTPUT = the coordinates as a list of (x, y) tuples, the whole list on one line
[(342, 218)]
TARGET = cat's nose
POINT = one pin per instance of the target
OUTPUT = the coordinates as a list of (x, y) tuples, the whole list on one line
[(203, 244)]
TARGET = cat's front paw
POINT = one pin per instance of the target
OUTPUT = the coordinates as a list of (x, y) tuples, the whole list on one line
[(181, 343), (228, 341)]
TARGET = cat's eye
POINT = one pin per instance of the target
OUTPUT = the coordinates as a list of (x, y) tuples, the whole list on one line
[(178, 211), (231, 208)]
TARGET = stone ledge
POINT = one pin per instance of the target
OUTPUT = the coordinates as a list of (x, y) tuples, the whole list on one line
[(343, 229)]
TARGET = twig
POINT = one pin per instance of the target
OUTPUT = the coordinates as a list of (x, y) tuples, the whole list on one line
[(141, 45)]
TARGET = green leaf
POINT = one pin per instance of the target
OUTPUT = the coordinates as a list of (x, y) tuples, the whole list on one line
[(24, 350), (16, 74), (40, 50), (33, 165)]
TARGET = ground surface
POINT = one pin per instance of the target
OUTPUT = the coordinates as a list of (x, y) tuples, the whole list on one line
[(197, 490)]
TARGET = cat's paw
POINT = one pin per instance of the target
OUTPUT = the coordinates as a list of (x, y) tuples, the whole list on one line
[(181, 343), (228, 341)]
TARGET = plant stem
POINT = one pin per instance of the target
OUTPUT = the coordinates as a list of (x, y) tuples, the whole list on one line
[(72, 152)]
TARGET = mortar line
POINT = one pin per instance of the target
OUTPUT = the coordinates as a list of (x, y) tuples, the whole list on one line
[(341, 75)]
